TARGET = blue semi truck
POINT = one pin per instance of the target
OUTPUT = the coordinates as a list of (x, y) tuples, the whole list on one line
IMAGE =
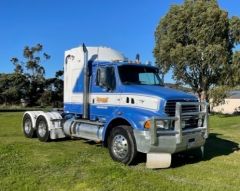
[(124, 105)]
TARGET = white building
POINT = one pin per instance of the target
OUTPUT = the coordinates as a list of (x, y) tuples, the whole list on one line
[(231, 105)]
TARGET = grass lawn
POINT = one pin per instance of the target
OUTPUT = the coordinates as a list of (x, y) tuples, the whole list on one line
[(27, 164)]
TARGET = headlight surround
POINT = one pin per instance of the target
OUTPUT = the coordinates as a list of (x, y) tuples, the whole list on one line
[(160, 124)]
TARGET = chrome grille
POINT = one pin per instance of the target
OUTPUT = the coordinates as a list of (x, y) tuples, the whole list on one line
[(171, 107), (190, 121)]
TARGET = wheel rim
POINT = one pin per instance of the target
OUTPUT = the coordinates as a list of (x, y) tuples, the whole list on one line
[(42, 128), (120, 146), (27, 126)]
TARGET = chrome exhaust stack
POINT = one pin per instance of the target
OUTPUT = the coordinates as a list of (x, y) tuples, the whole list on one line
[(85, 84)]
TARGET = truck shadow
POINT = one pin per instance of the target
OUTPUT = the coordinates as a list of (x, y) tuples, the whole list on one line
[(96, 143), (214, 147)]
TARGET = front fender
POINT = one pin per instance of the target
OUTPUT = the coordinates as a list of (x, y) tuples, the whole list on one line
[(134, 116), (137, 117)]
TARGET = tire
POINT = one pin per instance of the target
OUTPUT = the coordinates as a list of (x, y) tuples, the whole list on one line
[(27, 126), (122, 145), (42, 129)]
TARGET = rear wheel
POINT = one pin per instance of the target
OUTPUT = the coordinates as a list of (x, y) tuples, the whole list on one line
[(121, 144), (42, 129), (28, 130)]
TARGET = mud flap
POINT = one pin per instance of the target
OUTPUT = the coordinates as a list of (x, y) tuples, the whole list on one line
[(158, 160)]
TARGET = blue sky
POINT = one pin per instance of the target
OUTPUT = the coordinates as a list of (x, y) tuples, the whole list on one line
[(125, 25)]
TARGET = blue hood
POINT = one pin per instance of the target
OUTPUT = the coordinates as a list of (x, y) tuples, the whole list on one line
[(163, 92)]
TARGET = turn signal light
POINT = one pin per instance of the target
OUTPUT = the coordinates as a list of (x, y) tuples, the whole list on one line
[(147, 124)]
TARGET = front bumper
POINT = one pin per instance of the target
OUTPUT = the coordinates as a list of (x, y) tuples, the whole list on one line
[(157, 140)]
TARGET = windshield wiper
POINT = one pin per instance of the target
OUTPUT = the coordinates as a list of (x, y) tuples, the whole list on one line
[(130, 83)]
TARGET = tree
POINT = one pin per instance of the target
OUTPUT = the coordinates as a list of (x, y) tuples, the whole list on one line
[(33, 60), (13, 87), (58, 89), (54, 91), (32, 68), (18, 67), (28, 82), (196, 41), (236, 68)]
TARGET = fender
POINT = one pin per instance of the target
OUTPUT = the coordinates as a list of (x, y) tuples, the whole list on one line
[(134, 116), (49, 116), (34, 115)]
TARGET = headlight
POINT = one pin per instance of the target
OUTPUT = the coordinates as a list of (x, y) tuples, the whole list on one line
[(160, 124), (200, 122), (163, 124), (183, 124)]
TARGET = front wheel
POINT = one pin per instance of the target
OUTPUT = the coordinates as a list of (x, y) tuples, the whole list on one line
[(42, 129), (122, 145)]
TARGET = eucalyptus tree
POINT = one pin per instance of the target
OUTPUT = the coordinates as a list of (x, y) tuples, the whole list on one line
[(53, 94), (31, 67), (13, 87), (196, 41)]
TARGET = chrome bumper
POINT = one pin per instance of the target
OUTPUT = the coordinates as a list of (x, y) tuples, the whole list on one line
[(177, 139)]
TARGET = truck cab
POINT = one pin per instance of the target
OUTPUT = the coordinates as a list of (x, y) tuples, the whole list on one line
[(125, 106)]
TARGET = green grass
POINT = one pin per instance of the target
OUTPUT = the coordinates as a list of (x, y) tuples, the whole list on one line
[(20, 108), (27, 164)]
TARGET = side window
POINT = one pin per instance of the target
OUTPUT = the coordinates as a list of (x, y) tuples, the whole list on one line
[(106, 78)]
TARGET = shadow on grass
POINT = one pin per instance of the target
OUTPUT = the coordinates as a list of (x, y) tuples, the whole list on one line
[(214, 147), (97, 144)]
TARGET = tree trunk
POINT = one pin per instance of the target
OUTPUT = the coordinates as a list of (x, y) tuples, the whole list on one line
[(203, 97)]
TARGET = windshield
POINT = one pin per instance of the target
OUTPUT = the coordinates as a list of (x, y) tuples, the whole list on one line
[(140, 75)]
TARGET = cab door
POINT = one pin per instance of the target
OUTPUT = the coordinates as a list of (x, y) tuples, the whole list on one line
[(104, 96)]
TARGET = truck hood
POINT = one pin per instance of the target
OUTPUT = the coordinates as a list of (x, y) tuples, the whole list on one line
[(159, 91)]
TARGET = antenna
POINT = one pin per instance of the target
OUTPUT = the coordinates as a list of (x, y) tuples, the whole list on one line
[(137, 59)]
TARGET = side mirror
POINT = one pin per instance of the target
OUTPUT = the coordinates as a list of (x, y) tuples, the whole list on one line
[(106, 78)]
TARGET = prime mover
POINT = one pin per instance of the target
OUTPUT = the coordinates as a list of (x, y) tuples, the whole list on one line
[(124, 105)]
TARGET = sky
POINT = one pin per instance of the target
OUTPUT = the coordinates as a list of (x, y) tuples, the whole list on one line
[(59, 25)]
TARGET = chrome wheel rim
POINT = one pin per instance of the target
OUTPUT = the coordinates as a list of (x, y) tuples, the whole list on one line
[(27, 126), (42, 128), (120, 146)]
